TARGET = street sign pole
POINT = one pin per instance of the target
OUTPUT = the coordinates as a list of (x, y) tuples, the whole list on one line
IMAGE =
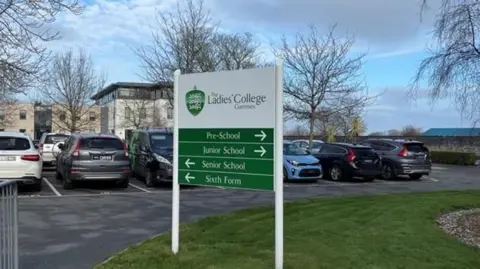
[(228, 132), (176, 186), (279, 164)]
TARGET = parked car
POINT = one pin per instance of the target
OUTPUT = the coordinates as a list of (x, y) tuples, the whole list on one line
[(47, 147), (151, 155), (402, 157), (304, 144), (93, 157), (20, 160), (299, 165), (344, 161)]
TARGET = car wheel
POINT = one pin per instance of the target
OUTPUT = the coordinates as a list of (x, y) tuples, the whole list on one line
[(149, 178), (415, 176), (123, 184), (388, 173), (285, 176), (336, 173), (58, 176), (37, 186), (67, 183)]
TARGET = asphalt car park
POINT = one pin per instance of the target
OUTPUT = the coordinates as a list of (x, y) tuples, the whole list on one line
[(83, 227), (52, 187), (441, 174)]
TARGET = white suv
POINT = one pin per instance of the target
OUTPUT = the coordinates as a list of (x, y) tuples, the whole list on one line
[(48, 146), (20, 160)]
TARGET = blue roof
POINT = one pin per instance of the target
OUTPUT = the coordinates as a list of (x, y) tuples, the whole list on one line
[(452, 132)]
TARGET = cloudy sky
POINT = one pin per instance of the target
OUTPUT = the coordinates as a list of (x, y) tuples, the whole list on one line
[(391, 31)]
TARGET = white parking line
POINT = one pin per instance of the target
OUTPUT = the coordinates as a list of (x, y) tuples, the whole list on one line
[(57, 193), (137, 187), (432, 179)]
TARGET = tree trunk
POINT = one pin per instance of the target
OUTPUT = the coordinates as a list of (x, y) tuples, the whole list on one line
[(311, 129)]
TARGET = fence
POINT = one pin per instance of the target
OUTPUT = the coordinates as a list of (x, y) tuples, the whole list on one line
[(8, 225)]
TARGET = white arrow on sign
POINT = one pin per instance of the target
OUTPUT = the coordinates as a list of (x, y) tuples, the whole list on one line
[(262, 151), (188, 177), (262, 135), (188, 163)]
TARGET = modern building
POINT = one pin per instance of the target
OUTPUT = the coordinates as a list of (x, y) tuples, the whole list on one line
[(125, 106), (18, 117), (37, 118), (452, 132)]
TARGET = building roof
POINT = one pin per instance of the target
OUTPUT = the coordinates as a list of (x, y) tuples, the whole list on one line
[(452, 132), (137, 85)]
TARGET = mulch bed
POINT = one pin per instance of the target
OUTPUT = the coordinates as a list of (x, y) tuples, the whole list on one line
[(463, 224)]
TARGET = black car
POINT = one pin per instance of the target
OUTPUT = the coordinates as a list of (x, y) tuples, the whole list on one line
[(343, 161), (93, 157), (151, 155), (402, 157)]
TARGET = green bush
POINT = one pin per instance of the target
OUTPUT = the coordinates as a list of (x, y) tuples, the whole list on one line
[(451, 157)]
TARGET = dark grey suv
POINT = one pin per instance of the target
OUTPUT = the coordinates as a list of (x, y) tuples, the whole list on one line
[(402, 157), (92, 157)]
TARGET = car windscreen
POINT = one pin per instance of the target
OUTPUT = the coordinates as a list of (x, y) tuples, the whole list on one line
[(14, 143), (159, 141), (53, 139), (416, 147), (101, 143), (292, 150)]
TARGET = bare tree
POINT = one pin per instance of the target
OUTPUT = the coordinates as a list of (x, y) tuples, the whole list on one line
[(8, 104), (320, 74), (376, 134), (23, 32), (411, 130), (188, 39), (394, 132), (138, 113), (70, 82), (327, 121), (451, 70), (297, 130)]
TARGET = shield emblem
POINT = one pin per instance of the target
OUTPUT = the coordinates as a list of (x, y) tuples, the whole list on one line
[(195, 101)]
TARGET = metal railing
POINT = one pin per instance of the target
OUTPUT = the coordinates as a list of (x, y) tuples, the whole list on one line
[(8, 225)]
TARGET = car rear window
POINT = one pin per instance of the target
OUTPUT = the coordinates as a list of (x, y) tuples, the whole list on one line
[(14, 143), (53, 139), (101, 143), (364, 152), (416, 147)]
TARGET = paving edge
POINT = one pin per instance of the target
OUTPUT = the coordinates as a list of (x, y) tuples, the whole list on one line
[(129, 247)]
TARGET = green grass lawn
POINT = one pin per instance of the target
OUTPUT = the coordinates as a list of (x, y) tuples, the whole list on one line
[(397, 231)]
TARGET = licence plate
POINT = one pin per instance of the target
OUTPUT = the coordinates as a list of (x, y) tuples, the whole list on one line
[(7, 158), (368, 161), (102, 157)]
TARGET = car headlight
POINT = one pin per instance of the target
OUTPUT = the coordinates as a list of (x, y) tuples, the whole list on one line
[(293, 162), (161, 159)]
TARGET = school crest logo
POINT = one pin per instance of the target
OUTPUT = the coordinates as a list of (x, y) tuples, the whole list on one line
[(195, 101)]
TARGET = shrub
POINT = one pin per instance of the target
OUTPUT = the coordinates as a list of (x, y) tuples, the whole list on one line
[(451, 157)]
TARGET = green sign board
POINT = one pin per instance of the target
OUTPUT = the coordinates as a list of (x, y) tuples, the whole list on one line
[(240, 158), (226, 125)]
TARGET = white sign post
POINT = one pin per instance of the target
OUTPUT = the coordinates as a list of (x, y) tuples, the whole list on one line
[(233, 122)]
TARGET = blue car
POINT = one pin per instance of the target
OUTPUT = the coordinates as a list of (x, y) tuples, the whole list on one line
[(299, 165)]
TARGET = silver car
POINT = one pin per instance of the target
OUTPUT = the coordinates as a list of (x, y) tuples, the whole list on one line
[(48, 146)]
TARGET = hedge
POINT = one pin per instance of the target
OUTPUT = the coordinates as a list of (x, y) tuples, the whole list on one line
[(451, 157)]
